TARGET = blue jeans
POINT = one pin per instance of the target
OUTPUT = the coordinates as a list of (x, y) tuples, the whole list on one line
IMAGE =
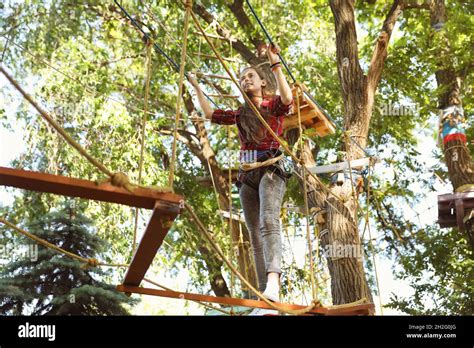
[(262, 216)]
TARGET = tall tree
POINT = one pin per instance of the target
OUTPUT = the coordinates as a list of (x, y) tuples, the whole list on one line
[(43, 282)]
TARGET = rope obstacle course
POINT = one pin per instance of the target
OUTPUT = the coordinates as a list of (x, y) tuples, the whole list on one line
[(167, 205)]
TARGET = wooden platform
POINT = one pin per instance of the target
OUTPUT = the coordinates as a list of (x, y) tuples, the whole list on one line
[(362, 309), (452, 208), (312, 117), (166, 207)]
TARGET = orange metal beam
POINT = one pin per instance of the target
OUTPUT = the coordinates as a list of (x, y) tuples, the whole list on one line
[(61, 185), (153, 237), (363, 309)]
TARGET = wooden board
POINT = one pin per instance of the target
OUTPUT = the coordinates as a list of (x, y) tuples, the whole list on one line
[(362, 309), (452, 207), (152, 239), (335, 167), (311, 117), (61, 185)]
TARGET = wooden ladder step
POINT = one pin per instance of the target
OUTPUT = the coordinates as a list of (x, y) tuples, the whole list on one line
[(214, 36), (213, 76), (160, 223), (228, 96)]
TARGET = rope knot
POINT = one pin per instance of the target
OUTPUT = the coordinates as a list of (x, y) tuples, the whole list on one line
[(120, 179), (188, 4), (92, 262)]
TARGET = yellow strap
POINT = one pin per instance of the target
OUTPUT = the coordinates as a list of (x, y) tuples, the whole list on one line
[(249, 166), (465, 188)]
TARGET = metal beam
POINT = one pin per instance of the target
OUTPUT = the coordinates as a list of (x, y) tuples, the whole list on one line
[(72, 187)]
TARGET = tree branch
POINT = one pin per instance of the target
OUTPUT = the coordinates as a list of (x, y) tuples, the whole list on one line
[(380, 52), (238, 45)]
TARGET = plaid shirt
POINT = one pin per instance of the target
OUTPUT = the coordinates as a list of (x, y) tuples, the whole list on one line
[(276, 111)]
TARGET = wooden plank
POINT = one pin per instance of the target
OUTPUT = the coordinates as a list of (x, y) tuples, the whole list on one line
[(335, 167), (213, 76), (456, 195), (153, 237), (235, 216), (292, 121), (363, 309), (231, 39), (460, 214), (61, 185)]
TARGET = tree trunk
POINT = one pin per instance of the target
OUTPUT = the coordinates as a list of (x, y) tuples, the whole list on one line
[(456, 154)]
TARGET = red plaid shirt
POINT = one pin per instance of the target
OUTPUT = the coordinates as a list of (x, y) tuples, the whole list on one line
[(276, 111)]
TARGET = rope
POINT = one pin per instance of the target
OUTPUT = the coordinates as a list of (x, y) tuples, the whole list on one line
[(305, 194), (180, 91), (254, 165), (369, 175), (89, 262), (175, 66), (231, 234), (118, 179), (142, 145), (214, 245), (189, 58), (76, 79)]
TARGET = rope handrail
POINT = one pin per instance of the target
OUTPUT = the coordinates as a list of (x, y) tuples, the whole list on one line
[(91, 262), (180, 91), (143, 131)]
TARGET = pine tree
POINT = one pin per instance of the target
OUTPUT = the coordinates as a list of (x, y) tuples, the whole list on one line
[(50, 283)]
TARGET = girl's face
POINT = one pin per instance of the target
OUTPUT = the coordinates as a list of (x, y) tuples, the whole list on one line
[(251, 82)]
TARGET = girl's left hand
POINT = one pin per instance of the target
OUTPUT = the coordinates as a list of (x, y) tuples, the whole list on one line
[(272, 53)]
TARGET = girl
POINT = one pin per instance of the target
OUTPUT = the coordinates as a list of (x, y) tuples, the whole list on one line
[(261, 190)]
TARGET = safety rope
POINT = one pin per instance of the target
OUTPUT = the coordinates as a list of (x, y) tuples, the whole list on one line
[(305, 193), (369, 175), (148, 63), (90, 262), (180, 91), (246, 166)]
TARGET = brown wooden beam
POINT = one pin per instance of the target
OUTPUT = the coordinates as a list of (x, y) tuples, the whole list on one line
[(153, 237), (61, 185), (362, 309)]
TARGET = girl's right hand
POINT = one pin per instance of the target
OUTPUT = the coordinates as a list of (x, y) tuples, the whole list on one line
[(192, 80)]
